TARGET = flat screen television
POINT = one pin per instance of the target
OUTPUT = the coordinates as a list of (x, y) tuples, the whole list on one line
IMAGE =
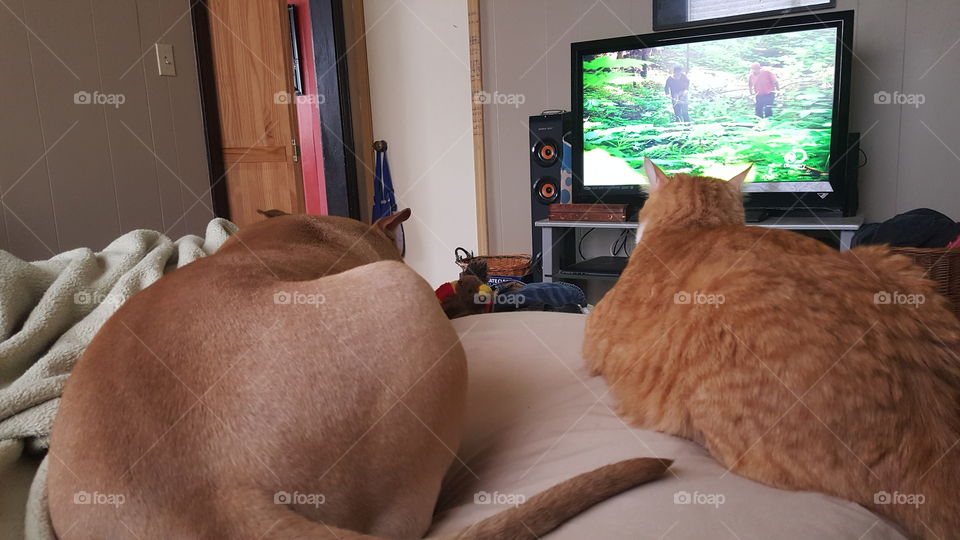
[(712, 100)]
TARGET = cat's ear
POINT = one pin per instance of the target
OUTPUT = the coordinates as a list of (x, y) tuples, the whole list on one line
[(655, 176), (737, 181)]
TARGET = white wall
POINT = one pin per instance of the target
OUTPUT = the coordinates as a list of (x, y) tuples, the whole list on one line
[(911, 46), (420, 92)]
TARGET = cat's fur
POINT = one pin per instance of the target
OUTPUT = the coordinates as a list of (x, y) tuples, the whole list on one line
[(791, 374)]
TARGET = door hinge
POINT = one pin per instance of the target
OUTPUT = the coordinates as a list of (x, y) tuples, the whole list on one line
[(296, 150)]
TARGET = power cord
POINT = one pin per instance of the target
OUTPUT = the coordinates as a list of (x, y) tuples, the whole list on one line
[(620, 244), (580, 244)]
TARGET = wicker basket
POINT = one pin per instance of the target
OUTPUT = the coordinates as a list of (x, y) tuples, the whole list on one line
[(941, 265), (497, 265)]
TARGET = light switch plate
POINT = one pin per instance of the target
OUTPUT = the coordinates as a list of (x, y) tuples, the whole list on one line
[(165, 61)]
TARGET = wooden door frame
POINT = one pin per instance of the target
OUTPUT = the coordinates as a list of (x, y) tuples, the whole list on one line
[(209, 105), (339, 147), (336, 133), (361, 113)]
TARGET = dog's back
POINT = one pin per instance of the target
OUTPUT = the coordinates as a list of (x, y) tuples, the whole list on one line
[(298, 383), (222, 388), (311, 247)]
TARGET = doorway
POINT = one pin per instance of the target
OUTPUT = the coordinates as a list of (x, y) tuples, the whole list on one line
[(276, 100), (306, 101)]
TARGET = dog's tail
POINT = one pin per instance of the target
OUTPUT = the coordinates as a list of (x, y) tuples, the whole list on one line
[(550, 509), (541, 514)]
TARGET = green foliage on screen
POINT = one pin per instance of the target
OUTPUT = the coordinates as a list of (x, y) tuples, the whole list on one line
[(628, 115)]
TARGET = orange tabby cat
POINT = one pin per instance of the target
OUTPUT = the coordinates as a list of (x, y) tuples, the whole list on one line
[(796, 365)]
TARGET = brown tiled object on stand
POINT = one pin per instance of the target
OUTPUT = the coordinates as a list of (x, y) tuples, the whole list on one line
[(588, 212)]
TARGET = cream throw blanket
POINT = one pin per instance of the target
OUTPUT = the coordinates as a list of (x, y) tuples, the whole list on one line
[(49, 312)]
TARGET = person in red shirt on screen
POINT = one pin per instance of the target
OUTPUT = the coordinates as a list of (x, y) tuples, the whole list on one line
[(764, 85)]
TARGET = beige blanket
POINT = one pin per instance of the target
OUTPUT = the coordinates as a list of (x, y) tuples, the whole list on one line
[(49, 312)]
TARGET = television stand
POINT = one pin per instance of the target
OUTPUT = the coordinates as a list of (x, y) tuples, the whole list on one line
[(558, 255)]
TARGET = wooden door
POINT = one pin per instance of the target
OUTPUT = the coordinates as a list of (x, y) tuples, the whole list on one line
[(258, 126)]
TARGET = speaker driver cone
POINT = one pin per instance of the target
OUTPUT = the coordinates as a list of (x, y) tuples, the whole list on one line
[(546, 152), (546, 190)]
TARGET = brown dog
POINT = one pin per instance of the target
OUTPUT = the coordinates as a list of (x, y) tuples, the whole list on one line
[(300, 383)]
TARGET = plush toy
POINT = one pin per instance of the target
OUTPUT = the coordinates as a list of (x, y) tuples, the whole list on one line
[(955, 243), (469, 295)]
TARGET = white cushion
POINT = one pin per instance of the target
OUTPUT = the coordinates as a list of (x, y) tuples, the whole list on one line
[(535, 418)]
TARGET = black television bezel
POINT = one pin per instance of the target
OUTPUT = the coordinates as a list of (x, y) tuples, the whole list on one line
[(834, 202)]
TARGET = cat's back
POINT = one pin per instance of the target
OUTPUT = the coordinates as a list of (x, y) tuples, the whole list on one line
[(747, 278), (731, 242), (762, 254), (716, 260)]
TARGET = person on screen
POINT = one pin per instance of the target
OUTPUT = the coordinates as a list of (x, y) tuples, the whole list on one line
[(676, 87), (764, 85)]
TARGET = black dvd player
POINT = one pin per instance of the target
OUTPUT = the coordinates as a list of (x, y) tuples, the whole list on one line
[(598, 266)]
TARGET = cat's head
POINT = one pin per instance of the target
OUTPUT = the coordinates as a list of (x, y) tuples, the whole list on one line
[(688, 201)]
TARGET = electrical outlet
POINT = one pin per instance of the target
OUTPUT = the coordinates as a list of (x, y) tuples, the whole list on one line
[(165, 62)]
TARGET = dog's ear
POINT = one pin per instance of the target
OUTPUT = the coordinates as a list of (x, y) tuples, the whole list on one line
[(272, 213), (389, 224)]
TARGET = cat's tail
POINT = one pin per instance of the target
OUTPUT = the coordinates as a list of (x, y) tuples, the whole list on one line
[(551, 508)]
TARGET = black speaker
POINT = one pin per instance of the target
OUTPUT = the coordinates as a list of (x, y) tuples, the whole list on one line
[(549, 182)]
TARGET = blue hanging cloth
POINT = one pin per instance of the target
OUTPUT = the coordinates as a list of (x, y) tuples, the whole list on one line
[(384, 198)]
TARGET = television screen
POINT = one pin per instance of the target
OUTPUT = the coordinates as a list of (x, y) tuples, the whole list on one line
[(713, 106)]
